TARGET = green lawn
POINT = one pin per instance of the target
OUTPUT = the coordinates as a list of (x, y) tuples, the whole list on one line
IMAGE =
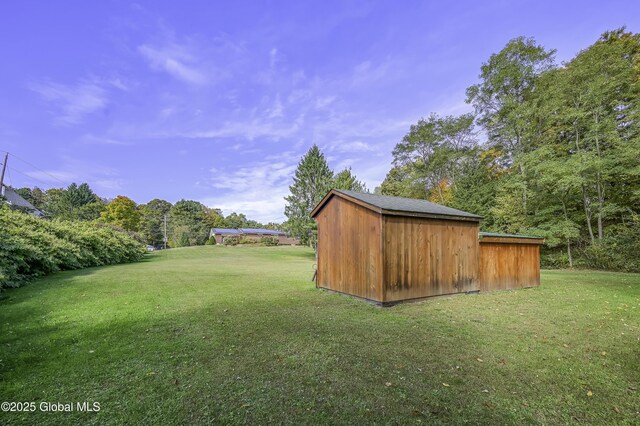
[(241, 335)]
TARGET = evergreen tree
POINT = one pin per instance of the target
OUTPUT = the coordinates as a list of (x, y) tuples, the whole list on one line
[(312, 181), (347, 180)]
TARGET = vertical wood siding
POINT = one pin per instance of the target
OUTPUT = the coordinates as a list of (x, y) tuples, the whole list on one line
[(429, 257), (509, 265), (349, 258), (388, 258)]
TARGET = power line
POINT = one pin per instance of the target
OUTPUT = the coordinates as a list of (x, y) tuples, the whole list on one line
[(37, 168), (26, 175)]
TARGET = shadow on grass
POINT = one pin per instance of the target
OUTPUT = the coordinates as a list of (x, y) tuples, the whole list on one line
[(305, 356), (327, 359)]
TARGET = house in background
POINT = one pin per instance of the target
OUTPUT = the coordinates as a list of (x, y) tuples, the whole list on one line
[(254, 234), (13, 199)]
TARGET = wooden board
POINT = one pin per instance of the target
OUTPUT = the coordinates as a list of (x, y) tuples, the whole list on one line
[(349, 259), (506, 265), (428, 257)]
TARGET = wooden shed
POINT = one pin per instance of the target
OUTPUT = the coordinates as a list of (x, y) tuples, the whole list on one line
[(509, 261), (391, 249)]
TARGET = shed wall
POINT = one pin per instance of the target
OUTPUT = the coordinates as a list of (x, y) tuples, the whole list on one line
[(505, 265), (349, 240), (429, 257)]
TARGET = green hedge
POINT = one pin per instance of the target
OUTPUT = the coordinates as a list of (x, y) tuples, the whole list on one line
[(32, 247), (269, 240)]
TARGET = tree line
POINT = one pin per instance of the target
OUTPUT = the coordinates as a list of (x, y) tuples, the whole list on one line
[(188, 222), (551, 150)]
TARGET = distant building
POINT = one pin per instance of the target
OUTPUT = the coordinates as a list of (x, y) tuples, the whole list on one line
[(254, 234), (13, 199)]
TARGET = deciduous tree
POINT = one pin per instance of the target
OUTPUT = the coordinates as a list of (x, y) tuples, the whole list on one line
[(122, 212)]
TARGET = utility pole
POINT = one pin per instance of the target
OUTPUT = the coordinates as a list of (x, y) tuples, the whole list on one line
[(4, 167), (165, 231)]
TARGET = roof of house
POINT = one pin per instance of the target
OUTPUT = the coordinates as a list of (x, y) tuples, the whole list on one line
[(240, 231), (15, 199), (261, 231), (398, 206), (224, 231)]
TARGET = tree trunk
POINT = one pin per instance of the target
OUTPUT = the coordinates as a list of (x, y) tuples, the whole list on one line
[(566, 218), (585, 200), (599, 186), (588, 214), (524, 190)]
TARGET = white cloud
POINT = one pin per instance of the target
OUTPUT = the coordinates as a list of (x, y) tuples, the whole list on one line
[(273, 57), (354, 146), (251, 129), (99, 177), (176, 61), (107, 185), (90, 138), (367, 73), (54, 177), (276, 111), (325, 101), (73, 102), (257, 190)]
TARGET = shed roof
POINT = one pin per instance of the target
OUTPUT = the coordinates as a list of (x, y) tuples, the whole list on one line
[(494, 234), (492, 237), (398, 206)]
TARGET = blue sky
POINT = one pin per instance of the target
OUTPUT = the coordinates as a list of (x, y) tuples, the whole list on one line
[(217, 101)]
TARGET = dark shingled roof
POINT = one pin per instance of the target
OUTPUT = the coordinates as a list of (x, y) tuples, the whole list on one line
[(261, 231), (223, 231), (493, 234), (14, 199), (241, 231), (410, 206)]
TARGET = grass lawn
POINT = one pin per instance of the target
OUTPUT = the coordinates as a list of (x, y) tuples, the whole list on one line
[(241, 335)]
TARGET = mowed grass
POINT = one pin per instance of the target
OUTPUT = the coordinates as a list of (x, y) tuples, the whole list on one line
[(241, 335)]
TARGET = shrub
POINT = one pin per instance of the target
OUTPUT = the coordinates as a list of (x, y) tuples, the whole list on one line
[(245, 240), (32, 247), (231, 240), (269, 240), (619, 250), (554, 259), (211, 241), (611, 254)]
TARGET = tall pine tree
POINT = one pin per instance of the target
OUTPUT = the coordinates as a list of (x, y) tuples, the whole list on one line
[(312, 180), (347, 180)]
